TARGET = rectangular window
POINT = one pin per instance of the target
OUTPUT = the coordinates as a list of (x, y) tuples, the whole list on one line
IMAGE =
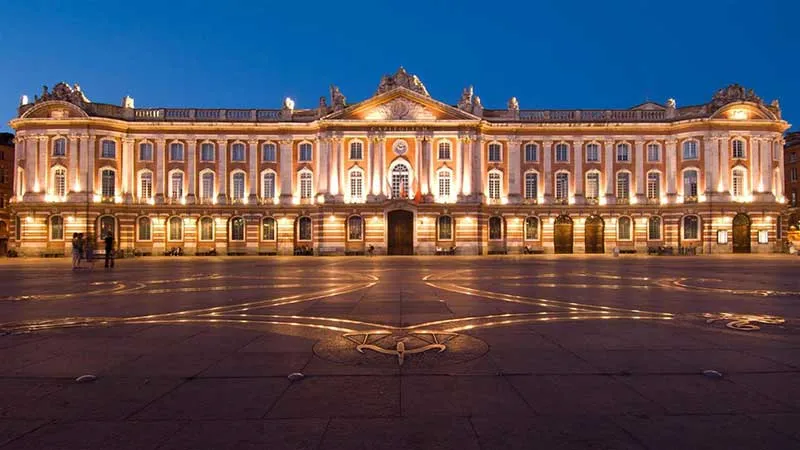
[(207, 152), (562, 186), (60, 182), (144, 229), (495, 151), (562, 153), (238, 186), (763, 236), (623, 153), (177, 186), (145, 151), (445, 228), (268, 229), (444, 151), (722, 236), (108, 149), (268, 153), (690, 150), (268, 187), (689, 185), (444, 185), (654, 229), (738, 148), (176, 151), (59, 147), (108, 180), (146, 186), (531, 153), (592, 185), (494, 186), (793, 174), (207, 186), (592, 153), (623, 185), (356, 185), (356, 151), (691, 228), (237, 152), (305, 185), (653, 153), (531, 186), (305, 152), (653, 186), (737, 183)]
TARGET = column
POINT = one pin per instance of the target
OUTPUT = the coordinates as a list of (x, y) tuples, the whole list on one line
[(466, 156), (160, 155), (671, 174), (514, 171), (42, 164), (191, 169), (608, 152), (333, 166), (547, 158), (724, 167), (779, 192), (126, 167), (252, 171), (428, 152), (459, 161), (317, 143), (714, 176), (31, 145), (222, 175), (91, 175), (755, 166), (641, 181), (83, 165), (420, 168), (286, 174), (73, 178), (478, 170), (368, 167), (766, 166), (374, 152), (324, 150), (340, 166), (382, 165), (708, 164), (578, 176)]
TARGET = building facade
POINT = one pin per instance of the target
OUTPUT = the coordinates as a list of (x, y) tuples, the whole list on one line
[(399, 172), (791, 157), (6, 187)]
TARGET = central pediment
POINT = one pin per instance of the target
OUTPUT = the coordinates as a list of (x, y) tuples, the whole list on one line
[(401, 104)]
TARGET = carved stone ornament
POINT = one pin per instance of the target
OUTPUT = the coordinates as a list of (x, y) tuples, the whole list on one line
[(734, 93), (400, 109), (400, 148), (338, 100), (401, 79), (62, 91), (465, 102), (513, 104)]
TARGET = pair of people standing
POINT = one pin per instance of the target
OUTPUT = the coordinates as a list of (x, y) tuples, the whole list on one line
[(82, 248)]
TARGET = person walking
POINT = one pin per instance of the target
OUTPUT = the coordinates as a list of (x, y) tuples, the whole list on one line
[(89, 250), (76, 251), (81, 249), (109, 240)]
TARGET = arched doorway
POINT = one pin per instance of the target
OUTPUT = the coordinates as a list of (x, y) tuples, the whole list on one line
[(593, 235), (562, 234), (741, 233), (400, 232)]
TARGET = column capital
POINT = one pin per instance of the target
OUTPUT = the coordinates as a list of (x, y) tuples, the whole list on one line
[(74, 136), (126, 140), (577, 142), (671, 141), (284, 140), (222, 142), (547, 142), (513, 140), (191, 140), (43, 137), (253, 141)]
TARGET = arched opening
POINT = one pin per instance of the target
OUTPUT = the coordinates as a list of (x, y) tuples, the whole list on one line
[(400, 233), (562, 234), (741, 233), (593, 234)]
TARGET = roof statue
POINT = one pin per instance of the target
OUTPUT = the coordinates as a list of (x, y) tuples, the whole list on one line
[(477, 106), (401, 79), (733, 93), (513, 104), (62, 91), (465, 102), (338, 100)]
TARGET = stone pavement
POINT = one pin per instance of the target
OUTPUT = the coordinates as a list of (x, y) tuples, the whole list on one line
[(545, 352)]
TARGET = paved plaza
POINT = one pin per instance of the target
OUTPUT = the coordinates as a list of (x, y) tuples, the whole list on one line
[(533, 352)]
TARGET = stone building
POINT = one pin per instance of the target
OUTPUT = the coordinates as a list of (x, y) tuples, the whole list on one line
[(6, 187), (791, 157), (400, 172)]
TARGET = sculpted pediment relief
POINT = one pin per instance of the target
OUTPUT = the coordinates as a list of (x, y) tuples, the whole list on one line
[(400, 109)]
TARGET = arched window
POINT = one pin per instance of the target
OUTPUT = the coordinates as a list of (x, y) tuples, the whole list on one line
[(206, 229), (237, 152), (176, 185), (176, 151), (562, 186), (306, 184), (495, 185), (444, 151), (237, 186), (144, 229), (268, 229), (108, 179), (531, 185), (175, 229), (737, 149), (304, 229), (207, 152), (145, 151), (207, 186), (531, 152), (653, 185), (623, 185), (737, 182), (400, 181), (268, 152), (495, 152), (59, 182), (355, 228), (60, 147), (237, 229), (623, 152), (690, 150), (108, 149), (268, 185), (356, 151), (624, 229), (690, 185), (444, 181), (691, 228), (495, 228), (592, 152), (108, 224), (356, 185), (56, 228), (592, 185), (653, 153), (445, 228), (562, 152), (654, 228), (305, 152), (531, 228)]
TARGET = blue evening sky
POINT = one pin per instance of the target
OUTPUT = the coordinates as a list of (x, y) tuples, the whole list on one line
[(547, 53)]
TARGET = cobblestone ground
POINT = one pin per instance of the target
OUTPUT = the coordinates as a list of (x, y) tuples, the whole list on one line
[(401, 353)]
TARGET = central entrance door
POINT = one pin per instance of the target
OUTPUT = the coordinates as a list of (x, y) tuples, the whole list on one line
[(562, 234), (741, 233), (594, 235), (401, 233)]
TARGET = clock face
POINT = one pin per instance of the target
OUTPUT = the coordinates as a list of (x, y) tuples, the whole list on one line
[(400, 148)]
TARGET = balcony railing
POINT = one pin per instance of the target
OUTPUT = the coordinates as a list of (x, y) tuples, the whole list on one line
[(623, 200), (624, 115)]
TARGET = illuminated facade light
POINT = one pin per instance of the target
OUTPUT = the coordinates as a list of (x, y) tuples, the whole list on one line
[(29, 219), (738, 114)]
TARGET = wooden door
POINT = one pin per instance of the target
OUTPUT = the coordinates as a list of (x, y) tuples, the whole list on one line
[(401, 233), (562, 235), (593, 235), (741, 233)]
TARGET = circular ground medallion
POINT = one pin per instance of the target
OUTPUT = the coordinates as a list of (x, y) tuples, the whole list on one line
[(408, 349)]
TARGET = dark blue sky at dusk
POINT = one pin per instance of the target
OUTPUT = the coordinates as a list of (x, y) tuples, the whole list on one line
[(580, 54)]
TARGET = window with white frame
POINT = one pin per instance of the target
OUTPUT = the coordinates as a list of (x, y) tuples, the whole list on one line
[(60, 147), (355, 228), (592, 152), (356, 151), (689, 184), (175, 225), (624, 228), (108, 179), (531, 185), (623, 185), (56, 228), (176, 185), (445, 228), (444, 184), (145, 151), (108, 149), (763, 236), (268, 229), (269, 152), (305, 152), (531, 152), (737, 146), (654, 228), (444, 151), (722, 236), (207, 186), (495, 228), (653, 185), (690, 150), (562, 186), (206, 229), (176, 151), (653, 153), (356, 185), (237, 229), (562, 152), (206, 152), (623, 152), (268, 185), (305, 185), (144, 229), (592, 185), (495, 152), (146, 185), (400, 181), (237, 184), (495, 181), (737, 182), (237, 152), (60, 182), (304, 229), (691, 227), (531, 228)]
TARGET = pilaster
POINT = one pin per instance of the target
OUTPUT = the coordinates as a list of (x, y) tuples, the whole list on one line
[(222, 176), (191, 169), (286, 175), (579, 175), (126, 167), (160, 150), (670, 156), (608, 153), (547, 159), (252, 171), (514, 171), (73, 177)]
